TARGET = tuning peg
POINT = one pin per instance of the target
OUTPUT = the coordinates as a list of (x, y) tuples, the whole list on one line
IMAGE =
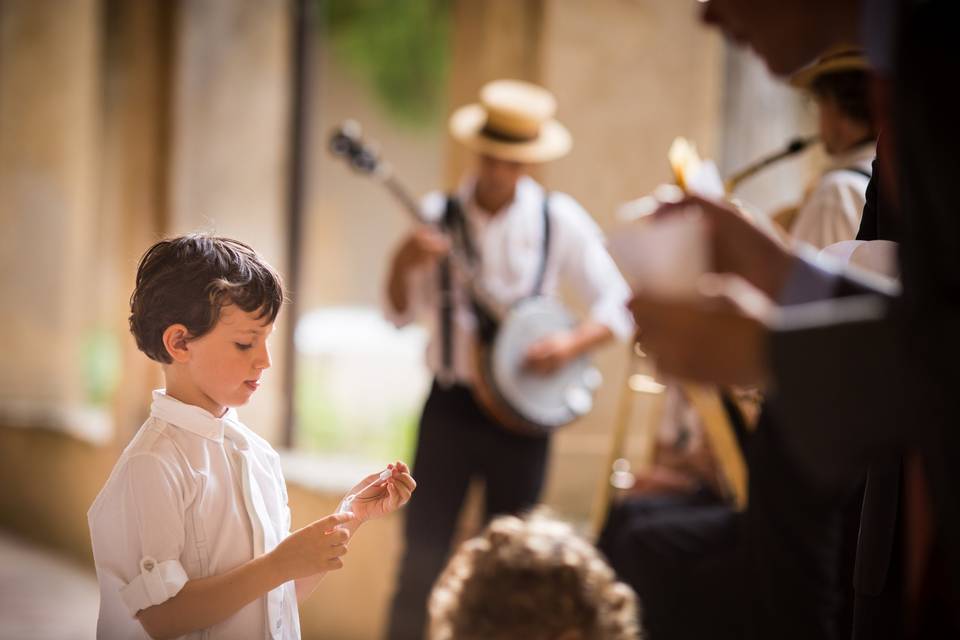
[(352, 129), (366, 158)]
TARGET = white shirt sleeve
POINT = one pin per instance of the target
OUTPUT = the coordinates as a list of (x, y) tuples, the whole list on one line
[(588, 267), (153, 515), (832, 212)]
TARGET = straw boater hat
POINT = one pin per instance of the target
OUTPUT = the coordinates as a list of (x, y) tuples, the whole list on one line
[(844, 58), (513, 121)]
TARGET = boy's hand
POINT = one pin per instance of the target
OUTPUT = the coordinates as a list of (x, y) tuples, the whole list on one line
[(315, 548), (384, 496)]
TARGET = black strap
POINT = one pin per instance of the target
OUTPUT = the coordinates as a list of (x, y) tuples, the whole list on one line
[(446, 302), (863, 172), (545, 252), (454, 223)]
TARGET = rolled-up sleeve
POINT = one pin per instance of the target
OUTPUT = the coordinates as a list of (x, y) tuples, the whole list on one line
[(589, 268), (153, 499)]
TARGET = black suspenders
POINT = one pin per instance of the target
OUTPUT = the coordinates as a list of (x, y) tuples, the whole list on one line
[(863, 172), (454, 223)]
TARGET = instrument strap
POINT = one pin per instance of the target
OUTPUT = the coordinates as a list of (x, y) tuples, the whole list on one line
[(545, 252), (446, 376), (863, 172), (454, 223)]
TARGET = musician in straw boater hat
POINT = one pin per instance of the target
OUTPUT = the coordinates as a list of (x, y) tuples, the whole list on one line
[(839, 82), (527, 241)]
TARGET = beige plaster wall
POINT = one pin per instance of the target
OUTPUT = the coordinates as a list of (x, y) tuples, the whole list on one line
[(229, 141), (629, 77)]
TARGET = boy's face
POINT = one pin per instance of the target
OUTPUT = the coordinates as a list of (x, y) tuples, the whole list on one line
[(225, 365)]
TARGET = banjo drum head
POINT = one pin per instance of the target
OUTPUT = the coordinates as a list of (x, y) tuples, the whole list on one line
[(547, 400)]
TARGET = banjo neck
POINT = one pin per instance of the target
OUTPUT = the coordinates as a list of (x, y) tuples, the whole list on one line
[(346, 143)]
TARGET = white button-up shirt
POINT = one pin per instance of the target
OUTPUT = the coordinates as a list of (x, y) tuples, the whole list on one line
[(510, 243), (831, 212), (191, 496)]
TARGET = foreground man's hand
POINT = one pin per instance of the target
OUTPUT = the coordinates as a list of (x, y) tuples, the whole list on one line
[(737, 246), (718, 338)]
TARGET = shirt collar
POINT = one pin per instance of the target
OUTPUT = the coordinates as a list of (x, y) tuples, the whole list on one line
[(527, 193), (191, 417)]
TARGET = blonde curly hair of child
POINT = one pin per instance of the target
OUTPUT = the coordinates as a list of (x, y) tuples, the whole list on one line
[(531, 578)]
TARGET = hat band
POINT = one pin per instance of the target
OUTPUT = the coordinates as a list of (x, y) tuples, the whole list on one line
[(501, 136)]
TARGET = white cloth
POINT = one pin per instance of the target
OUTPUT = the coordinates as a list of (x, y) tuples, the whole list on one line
[(510, 243), (831, 212), (191, 496)]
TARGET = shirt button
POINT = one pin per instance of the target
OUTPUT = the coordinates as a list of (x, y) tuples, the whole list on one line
[(279, 624), (148, 564)]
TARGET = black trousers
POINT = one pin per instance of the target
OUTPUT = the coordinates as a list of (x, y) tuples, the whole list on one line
[(457, 442), (680, 554)]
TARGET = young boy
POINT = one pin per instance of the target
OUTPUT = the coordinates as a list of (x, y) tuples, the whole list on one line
[(191, 533), (530, 578)]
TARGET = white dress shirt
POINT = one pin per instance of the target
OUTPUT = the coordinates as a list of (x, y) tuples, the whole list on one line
[(831, 212), (510, 243), (191, 496)]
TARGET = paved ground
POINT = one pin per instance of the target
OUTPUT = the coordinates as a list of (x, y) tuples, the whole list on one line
[(43, 596)]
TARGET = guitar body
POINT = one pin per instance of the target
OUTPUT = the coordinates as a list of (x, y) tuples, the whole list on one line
[(522, 401)]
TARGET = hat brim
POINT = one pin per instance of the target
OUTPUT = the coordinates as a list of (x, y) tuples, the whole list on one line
[(466, 127), (804, 78)]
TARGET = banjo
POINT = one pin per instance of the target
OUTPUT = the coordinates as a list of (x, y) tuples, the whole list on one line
[(519, 400)]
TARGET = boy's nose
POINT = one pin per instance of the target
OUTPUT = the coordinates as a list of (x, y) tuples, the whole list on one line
[(263, 359)]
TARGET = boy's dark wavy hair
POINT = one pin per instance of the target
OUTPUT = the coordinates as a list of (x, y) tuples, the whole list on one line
[(189, 279)]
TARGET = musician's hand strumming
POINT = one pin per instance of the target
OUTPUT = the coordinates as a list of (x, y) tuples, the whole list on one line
[(551, 353)]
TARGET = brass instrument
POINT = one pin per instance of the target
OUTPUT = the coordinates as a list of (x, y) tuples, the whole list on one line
[(794, 147), (684, 160)]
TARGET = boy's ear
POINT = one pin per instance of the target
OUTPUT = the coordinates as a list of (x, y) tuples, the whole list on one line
[(176, 339)]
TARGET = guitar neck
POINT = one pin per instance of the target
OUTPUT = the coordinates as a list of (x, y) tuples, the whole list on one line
[(386, 176), (400, 192)]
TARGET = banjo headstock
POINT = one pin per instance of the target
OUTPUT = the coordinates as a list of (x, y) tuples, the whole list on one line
[(347, 142)]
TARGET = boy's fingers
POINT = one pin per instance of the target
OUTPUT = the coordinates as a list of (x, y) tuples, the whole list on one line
[(333, 520), (334, 563), (339, 536), (406, 481)]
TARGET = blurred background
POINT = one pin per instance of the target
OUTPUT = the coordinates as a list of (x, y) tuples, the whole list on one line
[(123, 121)]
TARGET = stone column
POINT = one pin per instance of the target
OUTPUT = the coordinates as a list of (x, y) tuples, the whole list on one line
[(49, 91), (229, 142), (135, 163)]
